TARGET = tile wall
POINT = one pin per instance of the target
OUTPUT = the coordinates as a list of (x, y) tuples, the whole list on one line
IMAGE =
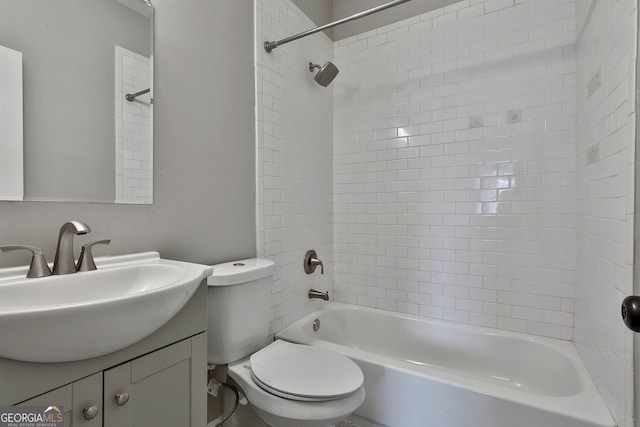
[(454, 168), (294, 159), (134, 141), (605, 196), (481, 170)]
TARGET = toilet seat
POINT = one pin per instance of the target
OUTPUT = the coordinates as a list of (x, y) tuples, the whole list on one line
[(282, 412), (304, 373)]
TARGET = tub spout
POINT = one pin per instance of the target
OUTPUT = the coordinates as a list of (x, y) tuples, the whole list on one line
[(317, 294)]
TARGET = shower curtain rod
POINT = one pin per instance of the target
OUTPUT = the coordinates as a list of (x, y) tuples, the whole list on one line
[(269, 46), (131, 96)]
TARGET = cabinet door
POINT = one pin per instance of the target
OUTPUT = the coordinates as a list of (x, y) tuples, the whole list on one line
[(74, 399), (162, 388)]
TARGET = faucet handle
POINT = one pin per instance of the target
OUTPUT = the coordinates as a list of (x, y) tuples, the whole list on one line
[(311, 261), (85, 262), (316, 262), (38, 266)]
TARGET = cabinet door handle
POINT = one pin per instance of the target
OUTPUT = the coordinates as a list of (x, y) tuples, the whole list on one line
[(121, 398), (90, 412)]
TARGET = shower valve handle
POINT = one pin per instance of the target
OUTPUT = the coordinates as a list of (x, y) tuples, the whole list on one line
[(311, 261)]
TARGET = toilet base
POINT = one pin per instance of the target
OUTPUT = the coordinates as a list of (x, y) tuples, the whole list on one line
[(246, 416), (281, 422), (243, 416)]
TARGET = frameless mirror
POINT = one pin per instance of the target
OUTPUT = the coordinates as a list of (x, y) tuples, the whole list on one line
[(84, 139)]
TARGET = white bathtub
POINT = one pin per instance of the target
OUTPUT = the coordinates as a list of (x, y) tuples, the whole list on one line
[(429, 373)]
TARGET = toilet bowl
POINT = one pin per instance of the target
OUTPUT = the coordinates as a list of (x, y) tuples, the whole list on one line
[(287, 384), (288, 397)]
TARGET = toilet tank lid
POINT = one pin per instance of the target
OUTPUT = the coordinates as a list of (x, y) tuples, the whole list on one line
[(242, 271)]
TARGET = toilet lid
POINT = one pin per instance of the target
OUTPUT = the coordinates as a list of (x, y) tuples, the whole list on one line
[(303, 372)]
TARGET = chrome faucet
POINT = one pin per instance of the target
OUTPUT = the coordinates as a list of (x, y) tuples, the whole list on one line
[(317, 294), (64, 262)]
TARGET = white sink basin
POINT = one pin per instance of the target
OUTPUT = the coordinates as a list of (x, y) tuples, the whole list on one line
[(84, 315)]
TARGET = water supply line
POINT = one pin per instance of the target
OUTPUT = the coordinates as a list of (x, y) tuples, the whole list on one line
[(213, 388), (222, 418)]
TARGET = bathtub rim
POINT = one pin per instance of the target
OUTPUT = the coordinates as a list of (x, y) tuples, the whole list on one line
[(586, 405)]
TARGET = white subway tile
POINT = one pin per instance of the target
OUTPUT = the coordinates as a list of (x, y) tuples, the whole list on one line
[(479, 225)]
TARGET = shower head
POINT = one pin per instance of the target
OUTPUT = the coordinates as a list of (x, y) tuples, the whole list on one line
[(327, 73)]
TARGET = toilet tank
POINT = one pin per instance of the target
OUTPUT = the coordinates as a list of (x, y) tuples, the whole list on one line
[(239, 307)]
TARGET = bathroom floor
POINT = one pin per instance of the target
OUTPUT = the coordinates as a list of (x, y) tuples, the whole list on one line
[(245, 417)]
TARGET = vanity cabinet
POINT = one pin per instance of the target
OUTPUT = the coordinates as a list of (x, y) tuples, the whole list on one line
[(76, 399), (161, 389)]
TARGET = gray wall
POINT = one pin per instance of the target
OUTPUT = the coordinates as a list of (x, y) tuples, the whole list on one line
[(68, 71), (324, 11), (319, 11), (343, 8), (204, 201)]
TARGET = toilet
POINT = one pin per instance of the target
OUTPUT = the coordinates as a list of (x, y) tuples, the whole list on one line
[(287, 384)]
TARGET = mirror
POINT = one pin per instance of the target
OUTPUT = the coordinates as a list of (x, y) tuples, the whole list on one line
[(83, 141)]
